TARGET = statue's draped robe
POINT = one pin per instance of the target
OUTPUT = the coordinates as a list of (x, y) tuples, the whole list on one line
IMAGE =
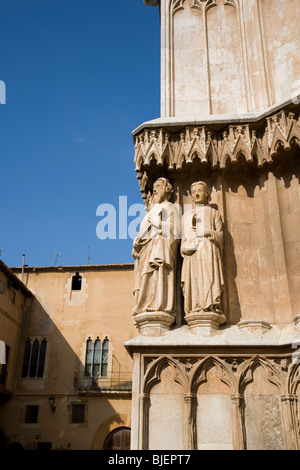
[(155, 268), (202, 279)]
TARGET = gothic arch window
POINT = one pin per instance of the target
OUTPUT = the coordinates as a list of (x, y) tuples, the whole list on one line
[(34, 358), (118, 439), (104, 362), (96, 358), (76, 282)]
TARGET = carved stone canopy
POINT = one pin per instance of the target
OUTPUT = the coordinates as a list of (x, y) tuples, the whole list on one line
[(215, 146)]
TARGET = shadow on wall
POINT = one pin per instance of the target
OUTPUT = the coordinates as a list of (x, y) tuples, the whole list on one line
[(27, 419)]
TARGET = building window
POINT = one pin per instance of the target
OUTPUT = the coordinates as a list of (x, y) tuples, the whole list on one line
[(34, 358), (118, 439), (13, 297), (76, 282), (1, 287), (96, 360), (31, 415), (77, 413), (3, 367)]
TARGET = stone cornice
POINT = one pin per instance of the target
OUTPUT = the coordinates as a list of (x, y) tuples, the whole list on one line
[(80, 268), (219, 119), (16, 283)]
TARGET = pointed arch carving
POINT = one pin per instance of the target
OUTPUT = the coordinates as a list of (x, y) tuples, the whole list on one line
[(273, 373), (176, 5), (154, 371), (293, 378), (199, 373)]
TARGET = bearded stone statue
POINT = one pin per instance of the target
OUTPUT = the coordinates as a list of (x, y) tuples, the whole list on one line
[(155, 253)]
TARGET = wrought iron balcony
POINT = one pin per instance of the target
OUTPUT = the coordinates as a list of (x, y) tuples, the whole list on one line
[(113, 382)]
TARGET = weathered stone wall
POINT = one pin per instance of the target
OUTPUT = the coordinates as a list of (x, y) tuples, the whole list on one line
[(228, 57)]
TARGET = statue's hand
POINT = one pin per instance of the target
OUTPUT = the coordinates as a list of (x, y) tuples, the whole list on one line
[(188, 251), (207, 233), (155, 220), (189, 248), (136, 242), (135, 255)]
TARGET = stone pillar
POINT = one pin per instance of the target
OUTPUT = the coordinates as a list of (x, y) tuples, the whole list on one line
[(290, 421), (238, 422), (190, 436), (143, 421)]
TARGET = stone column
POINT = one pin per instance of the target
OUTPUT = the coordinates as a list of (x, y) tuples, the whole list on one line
[(190, 438), (238, 422), (143, 421), (290, 421)]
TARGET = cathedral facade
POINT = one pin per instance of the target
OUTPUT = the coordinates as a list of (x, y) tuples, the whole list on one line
[(205, 354)]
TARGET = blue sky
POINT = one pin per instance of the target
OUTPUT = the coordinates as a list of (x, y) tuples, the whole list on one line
[(80, 76)]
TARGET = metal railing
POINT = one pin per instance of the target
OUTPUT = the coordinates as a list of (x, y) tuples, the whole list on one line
[(113, 381)]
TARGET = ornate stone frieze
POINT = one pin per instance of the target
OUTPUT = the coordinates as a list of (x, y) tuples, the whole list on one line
[(237, 373), (215, 145)]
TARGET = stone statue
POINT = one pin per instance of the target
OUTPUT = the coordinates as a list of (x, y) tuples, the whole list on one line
[(155, 252), (201, 247)]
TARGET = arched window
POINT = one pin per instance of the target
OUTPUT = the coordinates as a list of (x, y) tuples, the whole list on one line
[(118, 439), (96, 359), (26, 360), (104, 362), (34, 358), (88, 358), (76, 282), (41, 363)]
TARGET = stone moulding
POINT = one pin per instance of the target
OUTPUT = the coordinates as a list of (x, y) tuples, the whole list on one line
[(153, 323), (204, 323), (296, 321), (254, 326), (215, 144)]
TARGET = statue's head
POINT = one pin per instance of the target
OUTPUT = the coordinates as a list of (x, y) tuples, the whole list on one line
[(199, 192), (162, 190)]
